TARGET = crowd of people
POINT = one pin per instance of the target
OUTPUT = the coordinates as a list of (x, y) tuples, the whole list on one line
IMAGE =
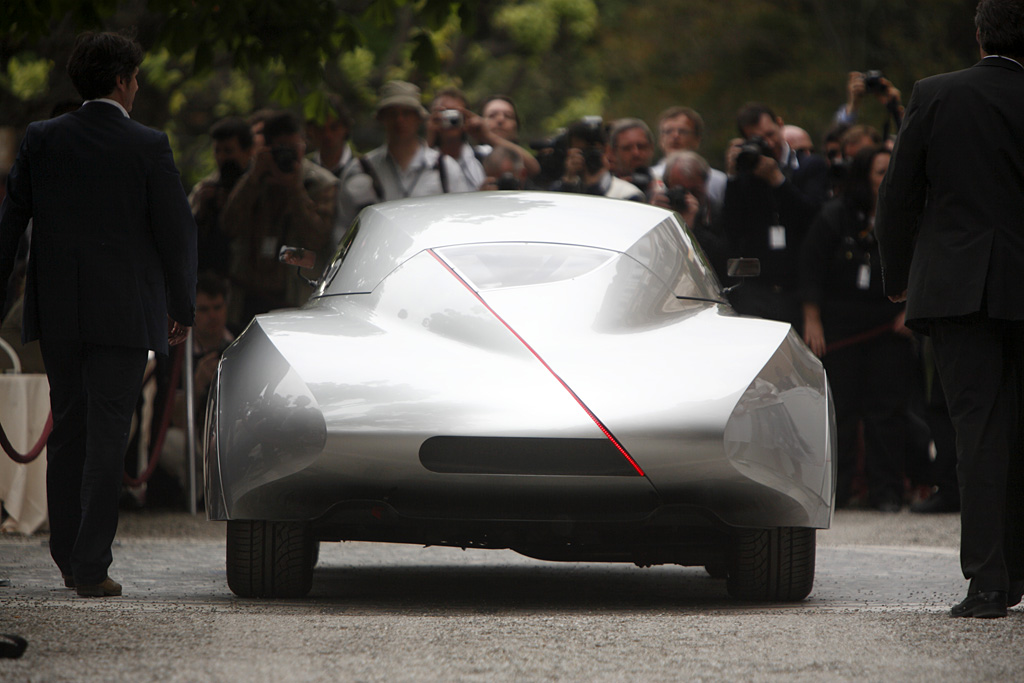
[(806, 216)]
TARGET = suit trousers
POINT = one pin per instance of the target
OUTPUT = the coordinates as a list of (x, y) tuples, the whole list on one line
[(93, 393), (981, 364)]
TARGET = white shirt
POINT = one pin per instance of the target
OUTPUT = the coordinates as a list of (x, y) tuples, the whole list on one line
[(420, 178)]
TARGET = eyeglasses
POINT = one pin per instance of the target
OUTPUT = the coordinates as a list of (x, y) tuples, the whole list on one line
[(676, 131)]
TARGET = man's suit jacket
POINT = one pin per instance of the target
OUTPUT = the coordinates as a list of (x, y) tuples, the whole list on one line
[(113, 240), (950, 219)]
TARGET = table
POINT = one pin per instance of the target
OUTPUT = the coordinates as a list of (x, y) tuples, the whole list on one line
[(24, 407)]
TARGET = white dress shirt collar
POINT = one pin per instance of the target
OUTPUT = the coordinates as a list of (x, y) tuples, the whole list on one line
[(1008, 58)]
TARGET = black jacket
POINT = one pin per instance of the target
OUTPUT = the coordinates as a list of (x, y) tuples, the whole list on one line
[(113, 240), (950, 218)]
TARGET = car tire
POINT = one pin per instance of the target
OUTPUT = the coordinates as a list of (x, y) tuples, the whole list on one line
[(269, 559), (772, 564), (717, 570)]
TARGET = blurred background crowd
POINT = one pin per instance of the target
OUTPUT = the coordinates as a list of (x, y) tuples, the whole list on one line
[(294, 164)]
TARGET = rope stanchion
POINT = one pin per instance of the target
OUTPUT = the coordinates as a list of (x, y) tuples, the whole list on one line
[(154, 458), (861, 337), (33, 453), (165, 422)]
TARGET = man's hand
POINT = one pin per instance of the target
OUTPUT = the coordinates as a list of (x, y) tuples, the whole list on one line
[(176, 332), (855, 89), (768, 170)]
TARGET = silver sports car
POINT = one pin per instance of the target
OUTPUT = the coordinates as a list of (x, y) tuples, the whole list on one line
[(553, 373)]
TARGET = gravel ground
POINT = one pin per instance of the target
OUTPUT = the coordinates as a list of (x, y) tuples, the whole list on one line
[(382, 612)]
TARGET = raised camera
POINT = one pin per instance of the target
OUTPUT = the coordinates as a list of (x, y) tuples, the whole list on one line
[(451, 118), (285, 158), (873, 82), (751, 152), (677, 198), (508, 181)]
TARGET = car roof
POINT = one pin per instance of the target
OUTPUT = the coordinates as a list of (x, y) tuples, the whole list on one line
[(390, 233)]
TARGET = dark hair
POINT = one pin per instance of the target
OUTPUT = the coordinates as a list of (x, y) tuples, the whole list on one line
[(622, 125), (1000, 25), (280, 124), (450, 92), (857, 132), (750, 115), (589, 130), (233, 127), (857, 187), (212, 285), (836, 131), (261, 115), (98, 59), (503, 98), (696, 119)]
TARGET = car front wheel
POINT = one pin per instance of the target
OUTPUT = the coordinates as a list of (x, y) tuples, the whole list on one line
[(270, 559), (772, 564)]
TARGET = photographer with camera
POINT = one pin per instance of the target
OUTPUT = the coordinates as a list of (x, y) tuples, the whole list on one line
[(630, 152), (283, 199), (586, 165), (232, 152), (874, 83), (505, 170), (680, 129), (446, 131), (770, 200), (404, 166), (684, 190)]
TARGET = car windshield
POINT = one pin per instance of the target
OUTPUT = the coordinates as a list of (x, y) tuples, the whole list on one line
[(493, 266)]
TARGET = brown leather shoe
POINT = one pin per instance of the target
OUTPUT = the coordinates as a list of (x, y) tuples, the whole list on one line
[(99, 590)]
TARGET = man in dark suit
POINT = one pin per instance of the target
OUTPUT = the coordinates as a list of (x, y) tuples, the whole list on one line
[(772, 196), (112, 273), (950, 224)]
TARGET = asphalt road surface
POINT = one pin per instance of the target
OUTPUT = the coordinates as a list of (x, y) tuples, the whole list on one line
[(379, 612)]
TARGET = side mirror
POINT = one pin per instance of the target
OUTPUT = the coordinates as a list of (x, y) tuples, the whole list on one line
[(300, 258), (741, 268)]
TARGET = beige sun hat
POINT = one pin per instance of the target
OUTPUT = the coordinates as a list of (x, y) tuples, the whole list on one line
[(400, 94)]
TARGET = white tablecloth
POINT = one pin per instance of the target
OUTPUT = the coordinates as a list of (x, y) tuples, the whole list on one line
[(24, 407)]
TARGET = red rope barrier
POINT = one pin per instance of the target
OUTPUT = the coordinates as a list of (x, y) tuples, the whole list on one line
[(25, 458), (860, 337), (154, 458), (165, 421)]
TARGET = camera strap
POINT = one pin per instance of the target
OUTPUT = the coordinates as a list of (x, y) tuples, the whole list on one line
[(368, 169), (443, 173)]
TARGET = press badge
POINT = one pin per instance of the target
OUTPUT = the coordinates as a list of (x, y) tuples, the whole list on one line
[(864, 276), (777, 237)]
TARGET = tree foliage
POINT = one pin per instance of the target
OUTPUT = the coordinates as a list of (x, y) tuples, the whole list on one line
[(558, 59)]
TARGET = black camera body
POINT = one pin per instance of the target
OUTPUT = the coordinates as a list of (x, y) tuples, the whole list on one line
[(641, 177), (285, 157), (508, 181), (230, 173), (593, 158), (751, 152), (677, 198), (873, 82), (551, 155)]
